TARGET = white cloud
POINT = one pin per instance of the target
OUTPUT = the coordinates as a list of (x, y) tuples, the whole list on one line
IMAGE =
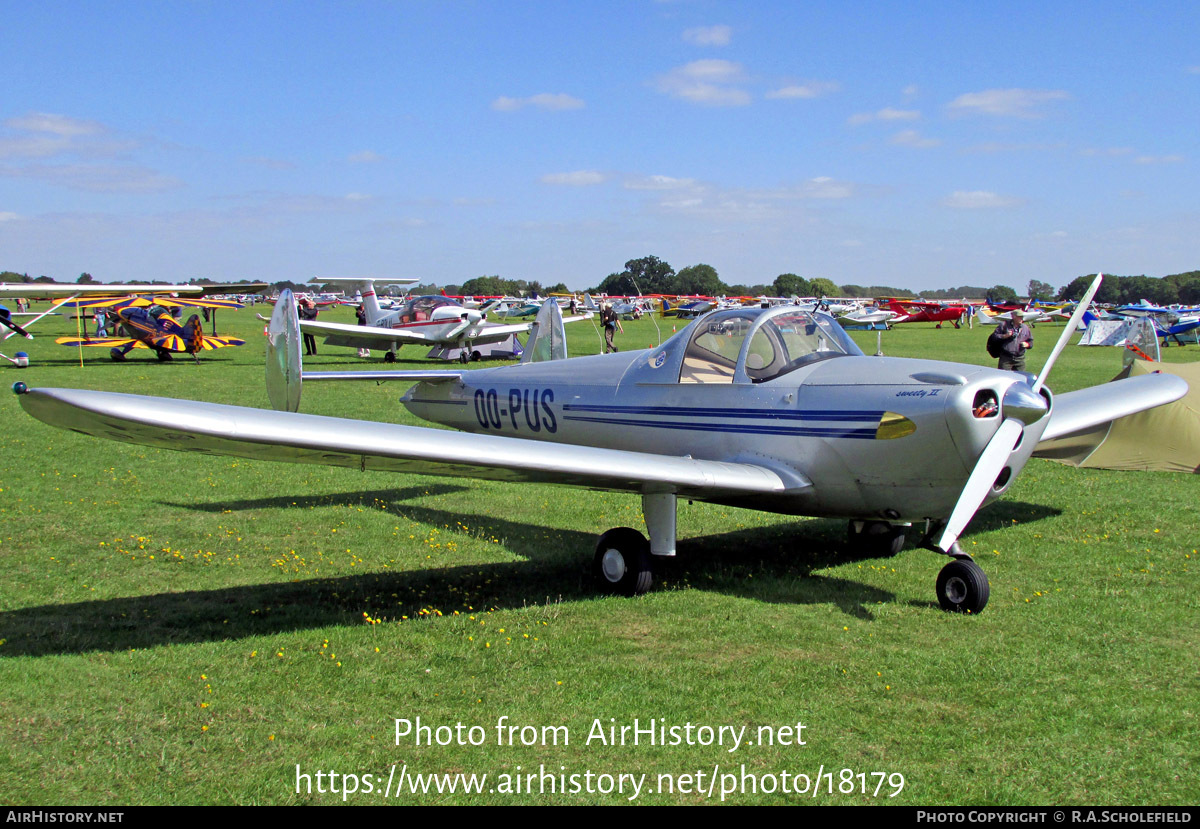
[(812, 89), (364, 157), (709, 82), (8, 216), (270, 163), (977, 199), (911, 91), (821, 187), (709, 35), (96, 178), (885, 114), (659, 183), (62, 125), (358, 197), (578, 178), (555, 102), (1107, 152), (912, 138), (1010, 103), (1158, 159)]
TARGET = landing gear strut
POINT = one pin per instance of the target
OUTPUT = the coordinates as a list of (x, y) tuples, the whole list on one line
[(622, 562)]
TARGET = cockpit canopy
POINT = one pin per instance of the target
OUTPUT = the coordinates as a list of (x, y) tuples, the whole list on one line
[(755, 345), (419, 309)]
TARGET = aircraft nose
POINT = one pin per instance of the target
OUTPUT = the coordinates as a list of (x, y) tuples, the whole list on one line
[(1023, 403)]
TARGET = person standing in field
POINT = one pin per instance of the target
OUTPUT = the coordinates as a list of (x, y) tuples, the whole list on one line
[(1017, 338), (612, 324)]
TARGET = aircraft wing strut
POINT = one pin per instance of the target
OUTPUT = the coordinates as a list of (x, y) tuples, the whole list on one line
[(301, 438)]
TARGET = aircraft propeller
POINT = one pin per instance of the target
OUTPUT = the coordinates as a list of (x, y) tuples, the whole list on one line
[(995, 455)]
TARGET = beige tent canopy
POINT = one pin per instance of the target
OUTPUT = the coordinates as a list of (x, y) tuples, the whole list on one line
[(1164, 438)]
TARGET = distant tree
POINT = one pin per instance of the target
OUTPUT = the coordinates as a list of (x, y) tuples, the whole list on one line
[(750, 290), (699, 279), (44, 279), (86, 279), (1002, 293), (788, 284), (648, 275), (1075, 289), (823, 287), (558, 288), (485, 286), (1040, 290)]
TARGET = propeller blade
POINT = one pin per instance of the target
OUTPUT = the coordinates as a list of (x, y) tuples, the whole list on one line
[(986, 470), (1068, 331)]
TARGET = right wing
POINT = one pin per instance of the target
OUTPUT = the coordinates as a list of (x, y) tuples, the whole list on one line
[(363, 336), (1077, 411), (300, 438)]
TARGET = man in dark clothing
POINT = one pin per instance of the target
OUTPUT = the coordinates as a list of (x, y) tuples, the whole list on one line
[(612, 324), (308, 311), (1017, 340)]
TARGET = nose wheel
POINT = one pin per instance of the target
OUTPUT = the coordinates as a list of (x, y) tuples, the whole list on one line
[(962, 587), (622, 563)]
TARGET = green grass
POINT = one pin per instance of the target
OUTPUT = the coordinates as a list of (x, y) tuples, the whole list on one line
[(185, 629)]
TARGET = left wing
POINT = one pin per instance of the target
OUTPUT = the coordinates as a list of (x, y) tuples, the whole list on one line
[(300, 438), (106, 342)]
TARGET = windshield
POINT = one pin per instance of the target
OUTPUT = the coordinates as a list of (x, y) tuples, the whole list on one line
[(787, 341)]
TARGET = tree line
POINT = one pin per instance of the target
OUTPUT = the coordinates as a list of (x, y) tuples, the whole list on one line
[(651, 275)]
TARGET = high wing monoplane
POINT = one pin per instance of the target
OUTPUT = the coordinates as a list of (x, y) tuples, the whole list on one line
[(909, 311), (422, 320), (771, 409)]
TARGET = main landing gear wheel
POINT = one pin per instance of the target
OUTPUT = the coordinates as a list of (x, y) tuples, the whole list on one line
[(622, 563), (464, 356), (877, 538), (389, 356), (962, 587), (164, 356)]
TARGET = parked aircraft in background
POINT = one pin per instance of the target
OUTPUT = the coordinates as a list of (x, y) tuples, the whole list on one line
[(422, 320), (910, 311), (137, 326)]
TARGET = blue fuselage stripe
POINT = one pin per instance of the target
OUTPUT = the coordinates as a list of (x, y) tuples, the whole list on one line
[(859, 416), (747, 428)]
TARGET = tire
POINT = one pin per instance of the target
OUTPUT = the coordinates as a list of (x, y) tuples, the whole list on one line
[(464, 356), (389, 356), (476, 356), (877, 539), (164, 356), (622, 563), (962, 587)]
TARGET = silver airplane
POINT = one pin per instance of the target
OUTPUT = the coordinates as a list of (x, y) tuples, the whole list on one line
[(771, 409), (422, 320)]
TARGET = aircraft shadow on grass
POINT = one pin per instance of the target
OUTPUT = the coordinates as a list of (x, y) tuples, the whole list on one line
[(776, 564)]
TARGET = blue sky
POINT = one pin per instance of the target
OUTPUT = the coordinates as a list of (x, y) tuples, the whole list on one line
[(918, 144)]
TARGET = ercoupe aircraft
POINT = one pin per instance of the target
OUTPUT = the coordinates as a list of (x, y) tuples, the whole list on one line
[(161, 333), (422, 320), (771, 409)]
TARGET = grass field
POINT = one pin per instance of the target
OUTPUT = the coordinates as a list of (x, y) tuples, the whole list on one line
[(184, 629)]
